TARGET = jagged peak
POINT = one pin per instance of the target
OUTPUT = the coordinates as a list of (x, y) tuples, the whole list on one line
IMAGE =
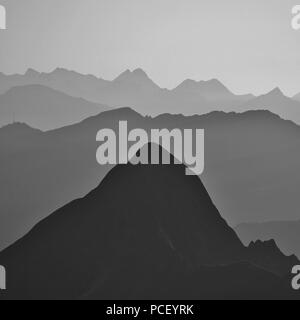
[(212, 84), (137, 73)]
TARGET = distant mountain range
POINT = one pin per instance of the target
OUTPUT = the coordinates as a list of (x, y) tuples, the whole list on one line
[(276, 102), (131, 89), (285, 233), (44, 108), (146, 232), (250, 165)]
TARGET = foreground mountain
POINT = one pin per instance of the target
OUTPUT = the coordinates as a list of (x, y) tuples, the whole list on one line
[(44, 108), (285, 233), (145, 232), (250, 165)]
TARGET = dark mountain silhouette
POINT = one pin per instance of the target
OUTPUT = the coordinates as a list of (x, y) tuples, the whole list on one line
[(285, 233), (247, 171), (44, 108), (145, 232)]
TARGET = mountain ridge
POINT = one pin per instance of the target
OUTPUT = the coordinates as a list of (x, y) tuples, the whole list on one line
[(44, 108), (139, 242), (234, 186)]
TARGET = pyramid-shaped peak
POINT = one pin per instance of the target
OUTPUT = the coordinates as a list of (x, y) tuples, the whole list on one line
[(144, 224), (276, 92)]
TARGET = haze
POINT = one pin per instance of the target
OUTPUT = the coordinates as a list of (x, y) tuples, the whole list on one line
[(248, 45)]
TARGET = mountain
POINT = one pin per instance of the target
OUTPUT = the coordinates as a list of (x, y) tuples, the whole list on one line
[(46, 170), (250, 165), (44, 108), (146, 232), (134, 89), (276, 102), (137, 78), (70, 82), (211, 90), (285, 233), (297, 97)]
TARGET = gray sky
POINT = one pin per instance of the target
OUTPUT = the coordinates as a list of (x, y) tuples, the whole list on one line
[(247, 44)]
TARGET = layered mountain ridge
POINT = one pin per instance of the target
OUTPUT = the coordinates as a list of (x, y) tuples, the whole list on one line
[(148, 231)]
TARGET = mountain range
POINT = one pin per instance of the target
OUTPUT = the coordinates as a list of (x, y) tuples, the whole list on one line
[(250, 164), (44, 108), (285, 233), (146, 232), (130, 89)]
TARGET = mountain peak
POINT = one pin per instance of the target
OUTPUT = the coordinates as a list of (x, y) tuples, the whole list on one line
[(208, 89), (276, 92), (156, 228), (18, 128), (32, 73), (135, 74), (140, 73), (61, 71)]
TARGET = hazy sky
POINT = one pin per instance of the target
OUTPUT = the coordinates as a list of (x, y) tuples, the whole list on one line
[(247, 44)]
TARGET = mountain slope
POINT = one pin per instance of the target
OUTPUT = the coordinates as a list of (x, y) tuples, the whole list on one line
[(211, 90), (250, 166), (69, 82), (276, 102), (134, 89), (146, 231), (44, 108), (285, 233), (137, 90), (297, 97)]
